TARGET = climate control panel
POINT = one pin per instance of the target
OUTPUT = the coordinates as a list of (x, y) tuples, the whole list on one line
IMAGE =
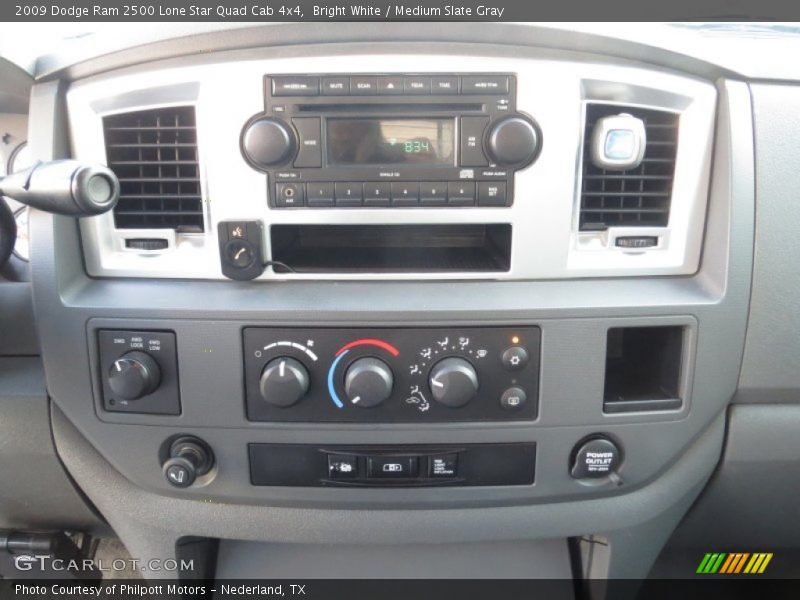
[(391, 375)]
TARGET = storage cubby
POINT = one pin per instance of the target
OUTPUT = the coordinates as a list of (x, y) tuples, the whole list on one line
[(461, 248), (643, 369)]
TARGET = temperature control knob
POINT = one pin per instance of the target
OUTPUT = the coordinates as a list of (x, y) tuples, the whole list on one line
[(368, 382), (268, 142), (284, 381), (134, 375), (513, 142), (454, 382)]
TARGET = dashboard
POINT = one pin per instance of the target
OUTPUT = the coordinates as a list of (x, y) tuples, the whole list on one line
[(364, 294)]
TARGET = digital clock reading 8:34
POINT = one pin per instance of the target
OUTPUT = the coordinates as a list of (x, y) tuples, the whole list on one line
[(416, 146)]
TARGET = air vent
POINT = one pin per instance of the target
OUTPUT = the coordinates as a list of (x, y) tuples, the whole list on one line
[(638, 197), (154, 154)]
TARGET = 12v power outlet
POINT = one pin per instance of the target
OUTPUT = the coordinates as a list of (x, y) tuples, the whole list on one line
[(595, 458)]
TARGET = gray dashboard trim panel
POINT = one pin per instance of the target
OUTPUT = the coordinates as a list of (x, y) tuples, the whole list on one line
[(769, 371), (16, 320), (277, 37), (578, 313), (757, 471), (150, 524), (669, 457), (36, 493)]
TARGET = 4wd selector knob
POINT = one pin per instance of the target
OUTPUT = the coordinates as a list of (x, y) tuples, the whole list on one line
[(368, 382), (454, 382), (513, 142), (268, 142), (284, 381), (134, 375)]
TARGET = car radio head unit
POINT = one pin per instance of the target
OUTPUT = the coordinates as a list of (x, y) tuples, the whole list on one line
[(395, 141)]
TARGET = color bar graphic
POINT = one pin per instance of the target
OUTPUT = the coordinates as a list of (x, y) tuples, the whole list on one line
[(734, 563)]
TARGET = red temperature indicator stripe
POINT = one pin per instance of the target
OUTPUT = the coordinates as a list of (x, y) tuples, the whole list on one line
[(369, 342)]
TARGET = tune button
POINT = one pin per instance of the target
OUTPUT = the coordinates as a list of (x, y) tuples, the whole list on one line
[(513, 141)]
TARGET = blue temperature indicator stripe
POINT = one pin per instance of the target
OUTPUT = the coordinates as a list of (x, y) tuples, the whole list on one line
[(331, 387)]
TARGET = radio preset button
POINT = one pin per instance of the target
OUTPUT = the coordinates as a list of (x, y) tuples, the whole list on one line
[(377, 194), (309, 153), (389, 86), (363, 86), (491, 193), (295, 86), (335, 86), (289, 195), (444, 85), (348, 194), (461, 193), (319, 195), (484, 84), (417, 85), (405, 194), (433, 194), (472, 129)]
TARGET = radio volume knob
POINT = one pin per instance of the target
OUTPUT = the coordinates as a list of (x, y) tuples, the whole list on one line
[(454, 382), (513, 142), (268, 142), (368, 382), (284, 381)]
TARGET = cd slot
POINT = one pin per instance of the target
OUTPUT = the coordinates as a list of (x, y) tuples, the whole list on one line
[(395, 107), (459, 248)]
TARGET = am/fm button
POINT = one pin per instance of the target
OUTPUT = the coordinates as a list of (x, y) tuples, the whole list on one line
[(392, 467)]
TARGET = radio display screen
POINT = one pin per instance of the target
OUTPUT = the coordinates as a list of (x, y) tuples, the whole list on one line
[(376, 141)]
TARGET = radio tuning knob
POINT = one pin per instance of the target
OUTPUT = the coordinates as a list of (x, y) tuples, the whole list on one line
[(514, 141), (268, 142), (134, 375), (454, 382), (284, 381), (368, 382)]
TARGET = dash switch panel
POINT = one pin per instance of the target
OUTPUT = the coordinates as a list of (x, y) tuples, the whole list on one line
[(139, 372)]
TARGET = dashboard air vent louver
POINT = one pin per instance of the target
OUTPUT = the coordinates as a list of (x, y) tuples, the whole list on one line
[(639, 197), (154, 154)]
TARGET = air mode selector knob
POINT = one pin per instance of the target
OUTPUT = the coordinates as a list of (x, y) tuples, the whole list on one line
[(454, 382), (513, 142), (368, 382), (268, 142), (284, 381), (134, 375)]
